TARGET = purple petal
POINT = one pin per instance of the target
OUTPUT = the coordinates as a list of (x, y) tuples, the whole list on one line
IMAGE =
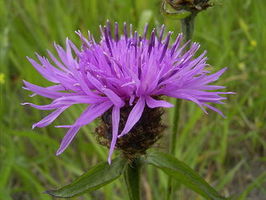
[(49, 118), (91, 113), (43, 71), (186, 97), (59, 64), (85, 42), (69, 100), (214, 109), (176, 44), (80, 99), (51, 106), (153, 103), (208, 87), (45, 92), (166, 43), (67, 139), (74, 47), (134, 116), (211, 78), (109, 93), (191, 98), (63, 56), (203, 95), (54, 88), (113, 97), (115, 126)]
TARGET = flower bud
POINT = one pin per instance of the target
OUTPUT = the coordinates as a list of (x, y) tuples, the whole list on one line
[(189, 5)]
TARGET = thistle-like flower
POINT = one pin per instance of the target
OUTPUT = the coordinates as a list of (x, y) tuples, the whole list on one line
[(123, 78)]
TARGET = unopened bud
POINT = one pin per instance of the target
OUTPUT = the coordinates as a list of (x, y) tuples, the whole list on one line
[(189, 5)]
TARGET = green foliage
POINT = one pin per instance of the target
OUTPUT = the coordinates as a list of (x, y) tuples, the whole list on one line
[(183, 174), (228, 153), (95, 178)]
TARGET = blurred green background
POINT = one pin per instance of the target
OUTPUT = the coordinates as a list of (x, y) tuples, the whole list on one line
[(229, 153)]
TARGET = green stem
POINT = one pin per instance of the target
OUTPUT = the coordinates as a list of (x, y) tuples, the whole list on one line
[(187, 29), (187, 26), (132, 179), (175, 126)]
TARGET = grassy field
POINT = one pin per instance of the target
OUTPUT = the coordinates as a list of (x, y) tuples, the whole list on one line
[(229, 153)]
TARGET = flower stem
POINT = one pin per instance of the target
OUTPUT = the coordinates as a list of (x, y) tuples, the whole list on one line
[(187, 26), (132, 179)]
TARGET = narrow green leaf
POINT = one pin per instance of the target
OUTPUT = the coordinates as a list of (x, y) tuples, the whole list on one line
[(184, 174), (98, 176)]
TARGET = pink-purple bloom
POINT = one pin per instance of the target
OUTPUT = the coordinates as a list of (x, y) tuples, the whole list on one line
[(127, 69)]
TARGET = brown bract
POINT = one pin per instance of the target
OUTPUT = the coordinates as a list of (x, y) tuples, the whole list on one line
[(190, 5), (142, 136)]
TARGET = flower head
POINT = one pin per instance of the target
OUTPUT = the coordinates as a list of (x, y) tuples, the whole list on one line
[(122, 71)]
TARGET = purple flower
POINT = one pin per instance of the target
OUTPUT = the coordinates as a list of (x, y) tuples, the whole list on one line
[(122, 70)]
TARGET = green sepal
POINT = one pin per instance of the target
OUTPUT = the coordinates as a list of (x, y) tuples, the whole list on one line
[(183, 174), (168, 11), (95, 178)]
